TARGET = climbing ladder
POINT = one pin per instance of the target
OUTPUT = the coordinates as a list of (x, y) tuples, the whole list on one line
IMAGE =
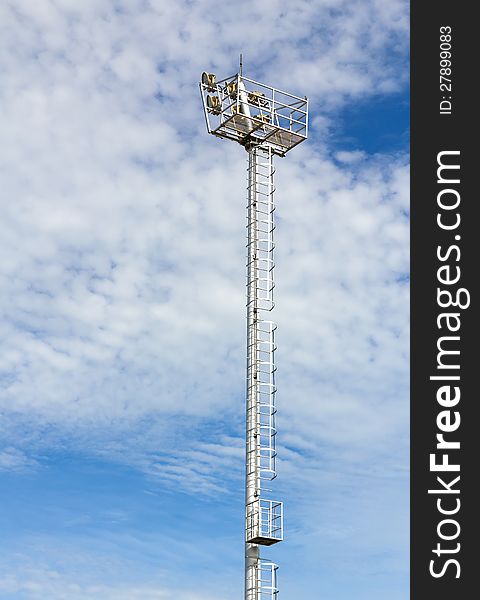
[(264, 517), (263, 586)]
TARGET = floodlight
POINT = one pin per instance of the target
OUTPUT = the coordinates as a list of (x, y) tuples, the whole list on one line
[(213, 103), (209, 79)]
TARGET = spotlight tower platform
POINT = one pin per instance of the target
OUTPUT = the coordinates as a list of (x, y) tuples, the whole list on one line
[(265, 121)]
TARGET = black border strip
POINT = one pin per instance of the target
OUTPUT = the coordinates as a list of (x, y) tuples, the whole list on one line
[(452, 131)]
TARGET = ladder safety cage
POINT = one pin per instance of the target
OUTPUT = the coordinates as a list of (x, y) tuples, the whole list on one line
[(261, 246), (264, 522), (264, 585)]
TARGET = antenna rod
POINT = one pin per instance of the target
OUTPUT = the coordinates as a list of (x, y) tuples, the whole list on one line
[(241, 64)]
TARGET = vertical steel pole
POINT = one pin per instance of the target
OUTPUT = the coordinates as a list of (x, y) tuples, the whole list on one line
[(252, 438), (259, 299)]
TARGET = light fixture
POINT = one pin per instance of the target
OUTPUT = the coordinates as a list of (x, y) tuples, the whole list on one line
[(209, 79), (213, 103), (232, 89), (257, 98)]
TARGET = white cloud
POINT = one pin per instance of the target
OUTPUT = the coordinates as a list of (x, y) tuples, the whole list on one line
[(135, 314), (38, 584), (12, 459), (350, 157), (122, 243)]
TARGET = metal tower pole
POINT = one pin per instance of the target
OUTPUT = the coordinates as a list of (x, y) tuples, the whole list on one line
[(265, 121), (260, 401)]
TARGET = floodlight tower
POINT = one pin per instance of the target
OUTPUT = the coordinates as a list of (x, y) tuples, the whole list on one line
[(265, 121)]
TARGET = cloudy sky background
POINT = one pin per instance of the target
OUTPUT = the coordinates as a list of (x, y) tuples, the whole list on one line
[(122, 247)]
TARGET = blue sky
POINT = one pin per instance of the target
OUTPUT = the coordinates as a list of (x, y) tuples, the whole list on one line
[(122, 273)]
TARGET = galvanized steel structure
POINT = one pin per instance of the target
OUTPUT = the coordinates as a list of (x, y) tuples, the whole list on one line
[(266, 121)]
